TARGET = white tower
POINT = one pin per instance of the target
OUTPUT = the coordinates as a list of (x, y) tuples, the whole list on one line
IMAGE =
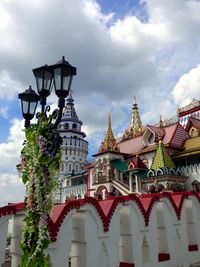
[(74, 147), (74, 150)]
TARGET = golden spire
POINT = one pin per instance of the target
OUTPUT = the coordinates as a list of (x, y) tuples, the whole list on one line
[(135, 127), (161, 121), (109, 143)]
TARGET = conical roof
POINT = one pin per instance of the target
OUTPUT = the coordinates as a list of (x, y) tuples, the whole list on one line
[(69, 110), (109, 143), (162, 159)]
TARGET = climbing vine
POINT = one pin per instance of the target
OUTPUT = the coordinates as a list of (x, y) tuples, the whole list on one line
[(40, 165)]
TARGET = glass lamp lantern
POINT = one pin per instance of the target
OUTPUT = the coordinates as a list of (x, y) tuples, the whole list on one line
[(29, 100), (63, 73), (43, 80), (43, 77)]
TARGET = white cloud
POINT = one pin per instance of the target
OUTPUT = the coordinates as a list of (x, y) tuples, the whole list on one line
[(187, 87), (11, 187), (4, 112), (8, 86), (115, 59)]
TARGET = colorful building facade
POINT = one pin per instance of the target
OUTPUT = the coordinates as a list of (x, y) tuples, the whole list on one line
[(151, 159)]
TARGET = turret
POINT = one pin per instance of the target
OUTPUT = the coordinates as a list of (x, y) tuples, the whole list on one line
[(74, 147)]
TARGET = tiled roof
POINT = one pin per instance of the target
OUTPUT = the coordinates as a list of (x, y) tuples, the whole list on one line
[(169, 132), (192, 144), (159, 132), (179, 137), (119, 165), (193, 121), (162, 158), (131, 146), (138, 163)]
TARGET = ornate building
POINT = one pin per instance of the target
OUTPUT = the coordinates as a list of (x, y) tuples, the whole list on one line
[(73, 180), (150, 159)]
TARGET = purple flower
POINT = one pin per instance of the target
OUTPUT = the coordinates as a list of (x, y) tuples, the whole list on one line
[(41, 143)]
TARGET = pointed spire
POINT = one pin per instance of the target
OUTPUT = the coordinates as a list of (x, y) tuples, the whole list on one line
[(161, 121), (135, 127), (69, 110), (162, 159), (109, 143)]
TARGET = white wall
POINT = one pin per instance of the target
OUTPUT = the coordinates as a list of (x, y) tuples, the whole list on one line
[(129, 237)]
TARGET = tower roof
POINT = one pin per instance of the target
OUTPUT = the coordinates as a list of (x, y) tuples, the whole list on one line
[(162, 158), (69, 110), (135, 127), (109, 143)]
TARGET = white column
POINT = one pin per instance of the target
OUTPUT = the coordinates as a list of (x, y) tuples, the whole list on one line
[(136, 184), (130, 182), (3, 236), (16, 236)]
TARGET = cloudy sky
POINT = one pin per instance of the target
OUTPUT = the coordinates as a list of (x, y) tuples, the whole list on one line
[(121, 48)]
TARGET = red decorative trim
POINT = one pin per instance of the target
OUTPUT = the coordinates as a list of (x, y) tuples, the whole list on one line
[(105, 215), (184, 113), (106, 208), (6, 210), (124, 264), (163, 257), (176, 200), (54, 222), (193, 247), (145, 205)]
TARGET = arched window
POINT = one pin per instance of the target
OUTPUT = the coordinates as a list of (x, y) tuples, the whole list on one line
[(74, 126), (75, 138), (66, 126)]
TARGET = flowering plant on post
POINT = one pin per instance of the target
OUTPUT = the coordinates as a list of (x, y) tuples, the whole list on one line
[(40, 165)]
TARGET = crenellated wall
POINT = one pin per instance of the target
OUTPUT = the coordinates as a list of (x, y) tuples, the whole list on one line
[(150, 231)]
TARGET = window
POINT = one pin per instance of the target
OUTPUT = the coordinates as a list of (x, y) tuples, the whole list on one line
[(151, 139), (75, 138), (66, 126), (74, 126), (70, 167)]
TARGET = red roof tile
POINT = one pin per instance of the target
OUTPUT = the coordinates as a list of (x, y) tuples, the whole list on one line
[(131, 146)]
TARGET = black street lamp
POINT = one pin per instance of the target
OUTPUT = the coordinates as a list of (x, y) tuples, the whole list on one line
[(29, 100), (58, 76), (41, 158)]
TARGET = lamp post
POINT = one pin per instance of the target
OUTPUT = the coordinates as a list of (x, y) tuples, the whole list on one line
[(40, 157), (60, 77)]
